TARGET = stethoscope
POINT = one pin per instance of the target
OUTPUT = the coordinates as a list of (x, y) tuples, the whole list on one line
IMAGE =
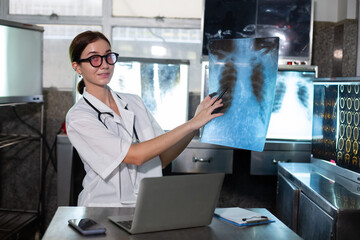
[(112, 115)]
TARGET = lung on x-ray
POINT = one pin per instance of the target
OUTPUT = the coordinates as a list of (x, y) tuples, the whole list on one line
[(247, 69), (292, 112)]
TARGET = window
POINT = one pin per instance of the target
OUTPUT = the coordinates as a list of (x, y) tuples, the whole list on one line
[(57, 71), (60, 8), (161, 43), (163, 85), (156, 37), (158, 8)]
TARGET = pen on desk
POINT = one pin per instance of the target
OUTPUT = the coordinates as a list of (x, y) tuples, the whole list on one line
[(256, 219), (221, 95), (245, 219)]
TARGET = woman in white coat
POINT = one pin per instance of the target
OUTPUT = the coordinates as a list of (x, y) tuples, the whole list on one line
[(117, 138)]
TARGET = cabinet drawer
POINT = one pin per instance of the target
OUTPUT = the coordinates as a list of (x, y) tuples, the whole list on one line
[(265, 163), (287, 202), (313, 222), (203, 160)]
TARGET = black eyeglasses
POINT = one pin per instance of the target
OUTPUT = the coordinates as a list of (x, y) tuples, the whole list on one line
[(97, 60)]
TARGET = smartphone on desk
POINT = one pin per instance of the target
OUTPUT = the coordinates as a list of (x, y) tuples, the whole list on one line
[(87, 226)]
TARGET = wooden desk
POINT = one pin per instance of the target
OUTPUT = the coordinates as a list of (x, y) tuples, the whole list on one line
[(218, 229)]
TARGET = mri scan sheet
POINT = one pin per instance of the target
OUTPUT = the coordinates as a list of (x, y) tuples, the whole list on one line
[(246, 69)]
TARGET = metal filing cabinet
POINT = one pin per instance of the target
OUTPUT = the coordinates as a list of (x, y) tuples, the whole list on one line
[(313, 221), (328, 204), (64, 169), (265, 163), (203, 158), (288, 202)]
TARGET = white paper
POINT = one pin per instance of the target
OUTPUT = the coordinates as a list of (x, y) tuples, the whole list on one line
[(237, 215)]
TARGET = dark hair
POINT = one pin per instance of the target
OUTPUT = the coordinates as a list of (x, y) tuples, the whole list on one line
[(78, 45)]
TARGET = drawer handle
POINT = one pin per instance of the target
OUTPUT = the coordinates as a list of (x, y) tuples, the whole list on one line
[(195, 159), (274, 161)]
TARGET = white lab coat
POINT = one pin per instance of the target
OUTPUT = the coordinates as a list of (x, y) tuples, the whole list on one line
[(108, 181)]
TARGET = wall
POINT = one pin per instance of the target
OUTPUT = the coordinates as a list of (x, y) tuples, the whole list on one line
[(334, 10), (335, 48)]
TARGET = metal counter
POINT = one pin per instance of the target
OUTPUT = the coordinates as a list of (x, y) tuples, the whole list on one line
[(199, 157), (328, 189), (218, 229), (265, 163), (326, 199)]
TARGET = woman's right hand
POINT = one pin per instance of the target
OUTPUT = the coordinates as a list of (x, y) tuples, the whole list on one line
[(204, 111)]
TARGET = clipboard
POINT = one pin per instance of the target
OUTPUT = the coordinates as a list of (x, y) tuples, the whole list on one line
[(241, 217)]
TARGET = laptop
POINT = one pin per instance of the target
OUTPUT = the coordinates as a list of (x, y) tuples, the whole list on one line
[(173, 202)]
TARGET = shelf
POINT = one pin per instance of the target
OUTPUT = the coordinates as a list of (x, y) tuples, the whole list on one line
[(23, 224), (7, 140), (16, 224)]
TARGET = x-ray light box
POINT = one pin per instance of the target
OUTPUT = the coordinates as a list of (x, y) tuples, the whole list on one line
[(292, 112), (20, 62)]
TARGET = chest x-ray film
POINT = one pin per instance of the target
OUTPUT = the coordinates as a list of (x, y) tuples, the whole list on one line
[(292, 112), (247, 68)]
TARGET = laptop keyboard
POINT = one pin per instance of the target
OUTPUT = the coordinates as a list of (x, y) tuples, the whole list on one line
[(127, 224)]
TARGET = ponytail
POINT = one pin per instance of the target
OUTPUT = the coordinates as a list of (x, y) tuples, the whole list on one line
[(80, 86)]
